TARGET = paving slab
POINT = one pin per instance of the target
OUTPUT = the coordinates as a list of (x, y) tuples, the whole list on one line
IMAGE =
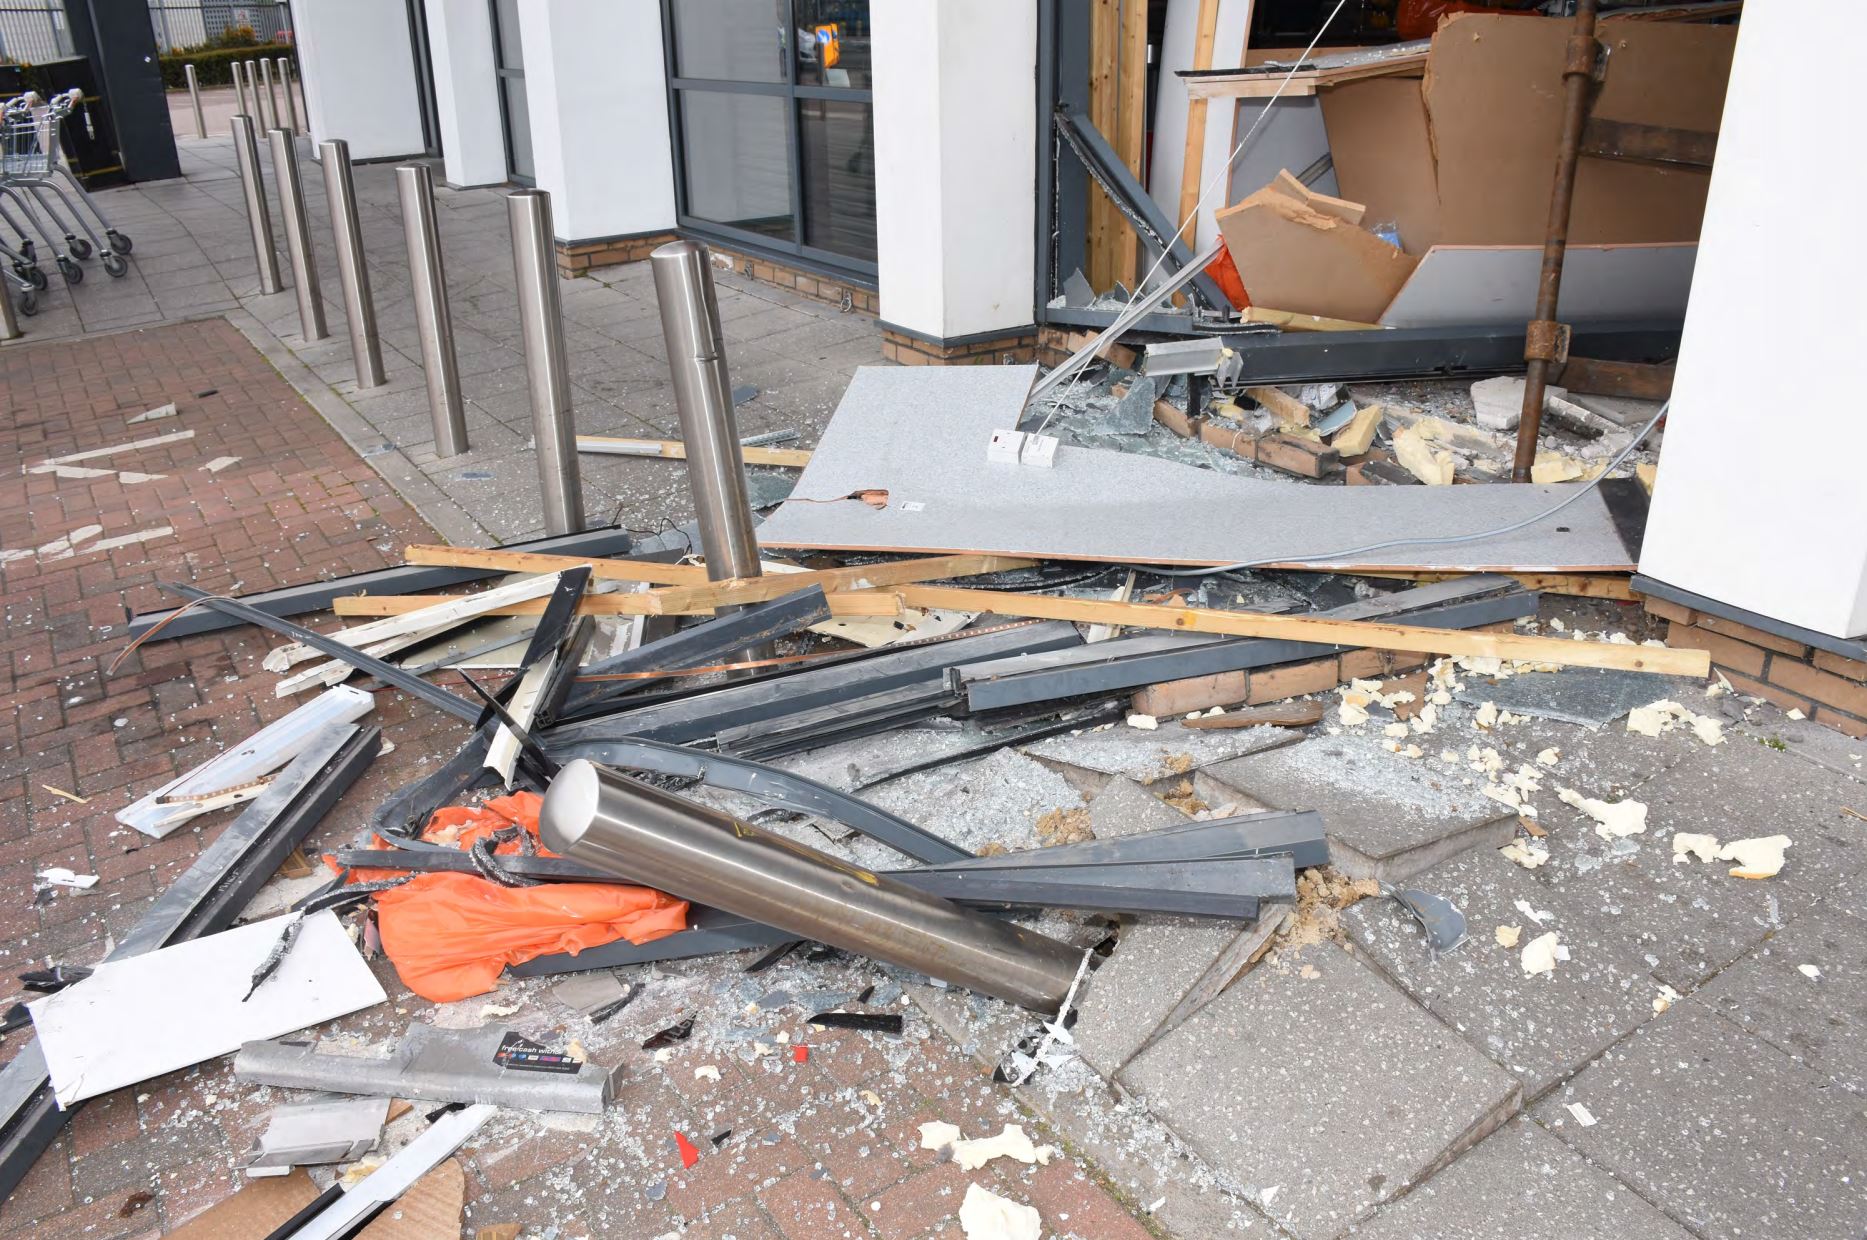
[(1124, 807), (1154, 964), (1521, 1182), (1388, 817), (1819, 1021), (1542, 1028), (1722, 1131), (1323, 1087), (1151, 755), (1590, 696)]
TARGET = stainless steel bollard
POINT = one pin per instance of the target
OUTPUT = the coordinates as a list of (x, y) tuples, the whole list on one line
[(9, 321), (285, 85), (298, 234), (272, 94), (541, 321), (194, 95), (258, 215), (260, 114), (353, 277), (610, 822), (239, 88), (703, 394), (433, 322)]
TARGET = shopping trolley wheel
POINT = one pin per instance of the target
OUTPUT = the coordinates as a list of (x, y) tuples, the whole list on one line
[(118, 242), (73, 273), (37, 276), (79, 247), (115, 265), (29, 303)]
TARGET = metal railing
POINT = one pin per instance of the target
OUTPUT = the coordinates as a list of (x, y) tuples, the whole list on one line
[(192, 23), (33, 31)]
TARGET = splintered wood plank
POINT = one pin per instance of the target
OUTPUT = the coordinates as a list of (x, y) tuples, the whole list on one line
[(1350, 633), (1292, 715), (685, 600), (535, 562), (675, 450), (1576, 585)]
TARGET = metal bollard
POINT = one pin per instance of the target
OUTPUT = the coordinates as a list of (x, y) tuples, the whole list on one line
[(239, 88), (298, 234), (703, 395), (285, 84), (260, 114), (353, 277), (433, 323), (194, 95), (9, 321), (258, 216), (272, 94), (541, 322)]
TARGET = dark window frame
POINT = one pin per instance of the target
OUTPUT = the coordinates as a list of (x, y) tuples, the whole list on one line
[(796, 249), (501, 74)]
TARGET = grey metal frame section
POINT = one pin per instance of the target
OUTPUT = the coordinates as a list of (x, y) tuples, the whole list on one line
[(1222, 887), (819, 726), (1846, 647), (407, 579), (1132, 199), (701, 715), (742, 238), (205, 899), (1127, 663)]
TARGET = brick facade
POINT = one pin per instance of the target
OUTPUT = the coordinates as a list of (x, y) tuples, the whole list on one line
[(577, 259), (1827, 687), (1017, 347), (834, 290)]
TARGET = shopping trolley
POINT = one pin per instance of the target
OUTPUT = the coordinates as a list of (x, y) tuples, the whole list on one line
[(31, 167)]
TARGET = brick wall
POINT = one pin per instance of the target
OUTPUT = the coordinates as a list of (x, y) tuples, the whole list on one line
[(1826, 687), (818, 287), (575, 260), (1018, 347)]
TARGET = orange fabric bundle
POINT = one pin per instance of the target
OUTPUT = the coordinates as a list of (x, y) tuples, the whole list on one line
[(450, 935)]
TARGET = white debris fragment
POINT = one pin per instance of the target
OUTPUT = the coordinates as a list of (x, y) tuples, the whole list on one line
[(664, 1054), (706, 1072), (1527, 853), (1523, 906), (1583, 1115), (870, 1097), (1707, 729), (60, 876), (984, 1215), (1664, 999), (1809, 971), (1426, 720), (1555, 622), (1687, 845), (1351, 715), (1011, 1143), (1756, 858), (489, 1011), (1549, 757), (1616, 821), (1396, 730), (938, 1134), (1539, 955), (1147, 723), (1507, 936), (1504, 794), (1487, 716), (1795, 712), (1270, 1194), (1652, 719)]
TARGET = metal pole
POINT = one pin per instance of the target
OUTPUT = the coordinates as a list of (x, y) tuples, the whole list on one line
[(271, 94), (298, 234), (610, 822), (433, 322), (291, 105), (541, 321), (703, 394), (353, 276), (258, 217), (194, 95), (1543, 345), (9, 321), (239, 88)]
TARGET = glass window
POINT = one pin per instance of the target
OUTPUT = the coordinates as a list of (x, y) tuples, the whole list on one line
[(837, 140), (832, 43), (729, 40), (518, 130), (736, 157), (511, 51)]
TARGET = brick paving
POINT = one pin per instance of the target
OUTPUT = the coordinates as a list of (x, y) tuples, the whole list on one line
[(819, 1148)]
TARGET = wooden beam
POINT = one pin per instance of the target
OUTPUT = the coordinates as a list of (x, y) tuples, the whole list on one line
[(686, 600), (1356, 634), (533, 562), (1638, 380), (1105, 221), (1192, 163), (675, 450), (1576, 585), (1130, 137), (845, 604)]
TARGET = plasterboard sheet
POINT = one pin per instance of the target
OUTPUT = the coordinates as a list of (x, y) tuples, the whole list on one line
[(138, 1018), (920, 434), (1466, 285), (1291, 137)]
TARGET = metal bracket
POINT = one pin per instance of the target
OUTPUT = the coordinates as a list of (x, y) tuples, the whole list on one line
[(1547, 341)]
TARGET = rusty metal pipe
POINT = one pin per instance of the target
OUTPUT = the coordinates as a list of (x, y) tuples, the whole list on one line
[(1542, 347), (604, 819)]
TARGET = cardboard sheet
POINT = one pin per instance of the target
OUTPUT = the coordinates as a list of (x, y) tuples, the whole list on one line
[(138, 1018), (1457, 285), (1298, 250), (1493, 92), (256, 1210), (1383, 155), (920, 434)]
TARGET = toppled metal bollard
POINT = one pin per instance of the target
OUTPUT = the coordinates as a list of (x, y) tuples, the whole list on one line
[(603, 819)]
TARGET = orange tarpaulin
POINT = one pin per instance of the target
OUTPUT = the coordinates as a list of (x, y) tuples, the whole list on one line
[(450, 935)]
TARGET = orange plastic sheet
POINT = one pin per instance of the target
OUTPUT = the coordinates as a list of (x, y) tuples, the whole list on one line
[(450, 935)]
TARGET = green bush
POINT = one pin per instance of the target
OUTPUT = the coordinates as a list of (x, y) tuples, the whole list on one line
[(214, 66)]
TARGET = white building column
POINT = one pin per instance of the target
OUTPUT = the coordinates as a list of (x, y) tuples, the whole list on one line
[(466, 93), (1759, 502), (955, 165), (357, 62), (597, 88)]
